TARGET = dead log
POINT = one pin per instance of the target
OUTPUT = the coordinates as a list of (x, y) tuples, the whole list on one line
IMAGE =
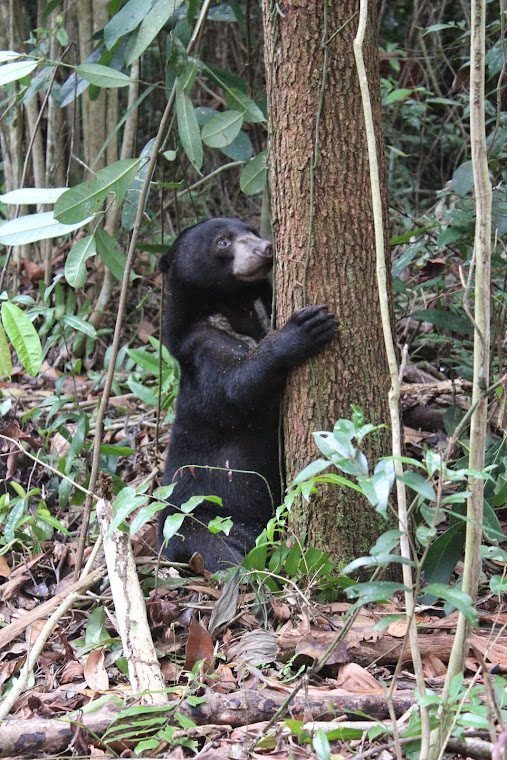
[(28, 738), (384, 650)]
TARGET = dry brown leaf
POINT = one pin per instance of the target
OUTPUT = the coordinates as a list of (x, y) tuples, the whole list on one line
[(199, 646), (255, 647), (398, 629), (280, 608), (72, 671), (59, 444), (5, 570), (95, 672), (356, 679), (33, 630)]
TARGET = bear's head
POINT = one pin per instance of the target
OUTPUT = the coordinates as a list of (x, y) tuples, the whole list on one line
[(219, 254)]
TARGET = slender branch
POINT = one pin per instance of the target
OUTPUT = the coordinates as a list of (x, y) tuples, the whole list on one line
[(478, 429), (161, 135), (394, 393)]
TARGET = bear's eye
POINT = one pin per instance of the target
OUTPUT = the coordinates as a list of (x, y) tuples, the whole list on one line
[(222, 243)]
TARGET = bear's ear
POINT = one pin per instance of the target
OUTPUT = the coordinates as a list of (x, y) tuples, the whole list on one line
[(165, 261)]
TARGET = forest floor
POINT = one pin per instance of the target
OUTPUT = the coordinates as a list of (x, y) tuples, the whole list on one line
[(231, 655)]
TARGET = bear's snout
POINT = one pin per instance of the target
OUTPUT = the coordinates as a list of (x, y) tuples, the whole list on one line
[(264, 249)]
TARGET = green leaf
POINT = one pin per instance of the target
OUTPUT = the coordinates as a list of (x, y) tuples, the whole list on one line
[(396, 95), (125, 21), (153, 22), (148, 396), (75, 264), (222, 129), (23, 337), (125, 503), (112, 255), (238, 101), (9, 55), (463, 179), (240, 149), (10, 72), (311, 470), (188, 130), (419, 484), (443, 555), (80, 325), (5, 355), (321, 745), (33, 227), (459, 599), (145, 514), (129, 210), (116, 451), (253, 176), (448, 320), (87, 198), (172, 524), (220, 525), (102, 76), (190, 504), (28, 195)]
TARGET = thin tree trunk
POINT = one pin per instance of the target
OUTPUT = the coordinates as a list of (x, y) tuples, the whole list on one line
[(325, 243)]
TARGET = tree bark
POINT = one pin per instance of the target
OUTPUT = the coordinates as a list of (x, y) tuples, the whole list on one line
[(322, 221)]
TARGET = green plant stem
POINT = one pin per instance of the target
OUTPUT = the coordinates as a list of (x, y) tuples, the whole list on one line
[(482, 255), (394, 393), (161, 136)]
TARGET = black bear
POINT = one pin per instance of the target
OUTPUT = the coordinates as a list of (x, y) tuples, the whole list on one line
[(224, 441)]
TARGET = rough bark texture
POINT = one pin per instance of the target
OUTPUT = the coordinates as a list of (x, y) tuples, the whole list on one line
[(338, 268)]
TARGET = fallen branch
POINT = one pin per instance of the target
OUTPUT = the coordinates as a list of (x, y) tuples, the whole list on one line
[(238, 709)]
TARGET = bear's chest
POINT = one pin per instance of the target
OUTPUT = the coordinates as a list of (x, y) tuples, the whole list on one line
[(249, 327)]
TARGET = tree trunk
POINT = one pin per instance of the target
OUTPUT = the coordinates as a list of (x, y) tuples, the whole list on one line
[(325, 245)]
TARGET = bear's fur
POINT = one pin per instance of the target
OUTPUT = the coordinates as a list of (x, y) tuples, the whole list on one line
[(232, 371)]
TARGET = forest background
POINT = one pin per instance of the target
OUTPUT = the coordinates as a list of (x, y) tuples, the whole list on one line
[(85, 89)]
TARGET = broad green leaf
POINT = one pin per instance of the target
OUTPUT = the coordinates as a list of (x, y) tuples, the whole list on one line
[(9, 55), (112, 255), (443, 555), (129, 210), (75, 264), (188, 130), (253, 176), (87, 198), (238, 101), (102, 76), (5, 355), (448, 320), (29, 195), (463, 179), (145, 514), (240, 149), (419, 484), (459, 599), (153, 22), (222, 129), (146, 395), (10, 72), (321, 745), (125, 21), (172, 524), (125, 503), (80, 325), (314, 468), (23, 337), (33, 227), (163, 492), (194, 501)]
